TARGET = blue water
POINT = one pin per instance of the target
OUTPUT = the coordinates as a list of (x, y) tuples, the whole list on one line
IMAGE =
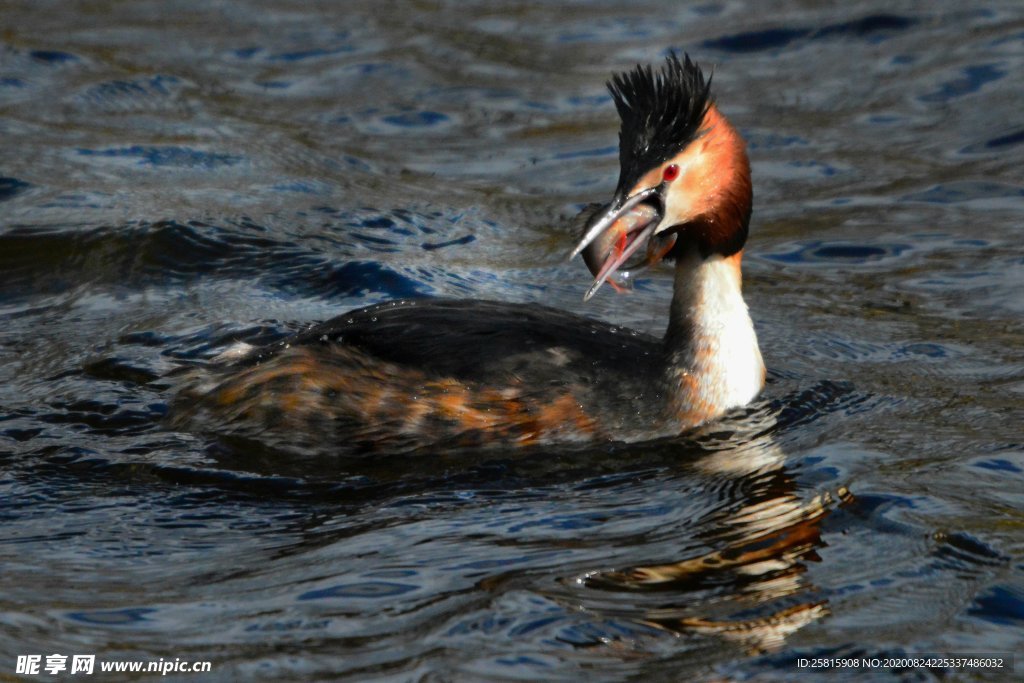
[(177, 178)]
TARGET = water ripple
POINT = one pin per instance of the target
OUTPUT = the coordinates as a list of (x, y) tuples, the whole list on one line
[(229, 174), (9, 187), (819, 253), (372, 590), (184, 157), (973, 79), (877, 27)]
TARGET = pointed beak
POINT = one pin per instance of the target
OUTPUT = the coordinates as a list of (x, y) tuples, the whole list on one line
[(615, 233)]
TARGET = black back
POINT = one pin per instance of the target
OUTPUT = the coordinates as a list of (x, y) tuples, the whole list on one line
[(613, 371), (490, 341)]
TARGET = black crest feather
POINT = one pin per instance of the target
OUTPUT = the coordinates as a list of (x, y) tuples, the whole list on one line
[(661, 113)]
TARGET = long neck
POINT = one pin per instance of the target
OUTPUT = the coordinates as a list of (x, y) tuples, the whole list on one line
[(714, 363)]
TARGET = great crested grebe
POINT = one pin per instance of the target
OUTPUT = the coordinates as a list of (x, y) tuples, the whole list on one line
[(409, 374)]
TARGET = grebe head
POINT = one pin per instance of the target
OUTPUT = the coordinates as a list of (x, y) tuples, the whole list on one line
[(684, 180)]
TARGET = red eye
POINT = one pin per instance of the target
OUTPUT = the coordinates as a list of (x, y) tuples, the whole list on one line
[(670, 173)]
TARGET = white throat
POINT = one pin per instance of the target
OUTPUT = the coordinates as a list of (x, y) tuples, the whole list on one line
[(716, 362)]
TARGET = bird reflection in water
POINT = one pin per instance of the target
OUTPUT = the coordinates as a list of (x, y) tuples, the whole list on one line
[(747, 584)]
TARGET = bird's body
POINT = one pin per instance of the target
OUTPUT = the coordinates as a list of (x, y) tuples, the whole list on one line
[(409, 375)]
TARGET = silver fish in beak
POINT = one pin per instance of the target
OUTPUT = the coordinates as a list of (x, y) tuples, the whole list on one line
[(613, 234)]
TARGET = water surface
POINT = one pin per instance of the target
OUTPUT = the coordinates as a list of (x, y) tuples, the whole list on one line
[(176, 177)]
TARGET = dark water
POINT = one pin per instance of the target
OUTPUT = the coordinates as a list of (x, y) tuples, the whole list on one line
[(175, 177)]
